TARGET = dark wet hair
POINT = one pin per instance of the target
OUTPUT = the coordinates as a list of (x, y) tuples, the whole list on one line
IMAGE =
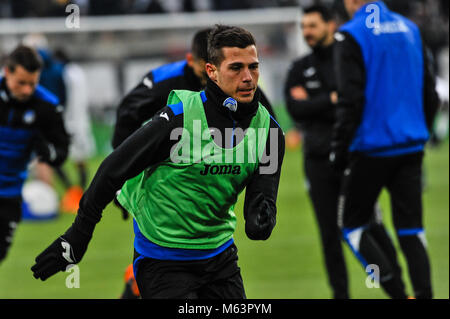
[(226, 36), (26, 57)]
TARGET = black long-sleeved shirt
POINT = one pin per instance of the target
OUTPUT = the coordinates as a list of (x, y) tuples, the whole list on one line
[(147, 98), (314, 116), (152, 143)]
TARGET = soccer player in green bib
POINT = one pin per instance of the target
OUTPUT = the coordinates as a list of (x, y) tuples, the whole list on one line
[(181, 174)]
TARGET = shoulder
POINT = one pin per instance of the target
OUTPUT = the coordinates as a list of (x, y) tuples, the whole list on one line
[(356, 24), (164, 78), (171, 115), (411, 26), (44, 95), (168, 72), (301, 62), (275, 124), (46, 101), (345, 42), (343, 36)]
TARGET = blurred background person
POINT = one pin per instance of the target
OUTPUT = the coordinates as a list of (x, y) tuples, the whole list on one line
[(67, 80), (311, 99), (51, 78), (386, 106), (30, 122)]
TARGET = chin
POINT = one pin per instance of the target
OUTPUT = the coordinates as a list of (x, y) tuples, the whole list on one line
[(23, 98), (245, 100)]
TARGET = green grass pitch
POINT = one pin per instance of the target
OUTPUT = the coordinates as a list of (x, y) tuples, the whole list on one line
[(287, 266)]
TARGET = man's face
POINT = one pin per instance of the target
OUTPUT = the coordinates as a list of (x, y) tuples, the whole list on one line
[(238, 73), (315, 29), (21, 83)]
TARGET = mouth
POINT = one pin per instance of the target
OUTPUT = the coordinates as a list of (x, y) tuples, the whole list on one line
[(22, 98), (310, 40), (246, 91)]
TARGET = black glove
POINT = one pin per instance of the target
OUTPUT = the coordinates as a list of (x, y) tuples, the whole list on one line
[(66, 250), (45, 151), (260, 219)]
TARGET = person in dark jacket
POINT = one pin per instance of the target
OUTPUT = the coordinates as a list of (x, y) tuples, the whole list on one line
[(311, 98), (31, 125), (387, 101)]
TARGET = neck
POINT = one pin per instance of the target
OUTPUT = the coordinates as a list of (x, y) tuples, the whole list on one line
[(324, 50), (195, 82), (244, 110), (328, 41)]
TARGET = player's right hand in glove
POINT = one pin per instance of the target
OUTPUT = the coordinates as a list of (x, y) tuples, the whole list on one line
[(66, 250), (260, 219)]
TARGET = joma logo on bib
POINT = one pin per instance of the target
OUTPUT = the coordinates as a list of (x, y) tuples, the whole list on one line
[(221, 170)]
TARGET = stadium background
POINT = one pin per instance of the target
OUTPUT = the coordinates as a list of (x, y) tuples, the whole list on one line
[(116, 44)]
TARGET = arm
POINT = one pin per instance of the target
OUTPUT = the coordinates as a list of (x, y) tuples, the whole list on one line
[(350, 76), (299, 104), (136, 107), (431, 98), (52, 143), (261, 192), (147, 146)]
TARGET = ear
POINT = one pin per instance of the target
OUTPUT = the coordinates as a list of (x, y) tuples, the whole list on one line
[(211, 70), (189, 59), (6, 71), (332, 26)]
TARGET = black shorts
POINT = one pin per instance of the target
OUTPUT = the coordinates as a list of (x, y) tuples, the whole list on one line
[(363, 181), (218, 277)]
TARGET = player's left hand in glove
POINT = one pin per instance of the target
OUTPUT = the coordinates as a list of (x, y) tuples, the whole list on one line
[(67, 249), (260, 220)]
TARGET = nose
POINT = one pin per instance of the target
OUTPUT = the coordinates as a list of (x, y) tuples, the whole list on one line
[(247, 75), (28, 89)]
